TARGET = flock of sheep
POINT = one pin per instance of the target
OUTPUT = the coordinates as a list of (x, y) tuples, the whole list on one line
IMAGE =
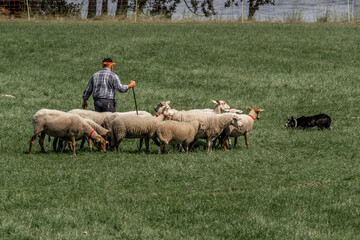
[(169, 126)]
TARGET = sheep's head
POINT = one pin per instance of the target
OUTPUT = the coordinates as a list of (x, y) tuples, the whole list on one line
[(159, 109), (202, 127), (236, 121), (256, 111), (100, 143), (167, 112), (166, 117), (223, 105), (236, 111)]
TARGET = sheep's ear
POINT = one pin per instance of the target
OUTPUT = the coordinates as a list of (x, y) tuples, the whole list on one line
[(202, 125), (166, 116), (249, 108), (167, 102)]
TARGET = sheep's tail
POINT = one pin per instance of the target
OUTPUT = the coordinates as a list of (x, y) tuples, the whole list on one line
[(162, 139)]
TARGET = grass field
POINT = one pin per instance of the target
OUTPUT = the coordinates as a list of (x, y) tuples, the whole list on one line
[(290, 184)]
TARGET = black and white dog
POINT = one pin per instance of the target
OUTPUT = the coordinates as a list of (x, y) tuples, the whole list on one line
[(321, 121)]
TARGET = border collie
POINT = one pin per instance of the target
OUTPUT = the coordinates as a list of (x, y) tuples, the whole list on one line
[(322, 121)]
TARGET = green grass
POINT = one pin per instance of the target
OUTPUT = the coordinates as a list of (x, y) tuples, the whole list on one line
[(288, 185)]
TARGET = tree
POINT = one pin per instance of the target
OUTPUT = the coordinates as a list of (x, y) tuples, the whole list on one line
[(253, 5), (168, 7)]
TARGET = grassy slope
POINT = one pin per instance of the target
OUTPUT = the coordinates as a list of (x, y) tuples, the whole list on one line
[(290, 184)]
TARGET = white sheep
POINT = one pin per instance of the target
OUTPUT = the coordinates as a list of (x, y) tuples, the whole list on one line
[(104, 119), (182, 133), (244, 130), (133, 126), (63, 125), (215, 123), (105, 133), (219, 106)]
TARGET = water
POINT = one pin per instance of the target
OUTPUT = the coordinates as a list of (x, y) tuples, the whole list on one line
[(303, 10)]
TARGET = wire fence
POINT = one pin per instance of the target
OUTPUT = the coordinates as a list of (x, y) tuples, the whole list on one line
[(236, 10)]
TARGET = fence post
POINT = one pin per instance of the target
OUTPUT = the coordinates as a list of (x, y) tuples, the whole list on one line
[(28, 9), (242, 11), (349, 10), (136, 9)]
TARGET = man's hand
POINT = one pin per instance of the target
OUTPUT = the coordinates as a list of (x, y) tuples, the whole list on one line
[(132, 84), (84, 105)]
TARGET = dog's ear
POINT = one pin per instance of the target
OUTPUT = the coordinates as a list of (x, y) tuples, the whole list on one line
[(292, 118)]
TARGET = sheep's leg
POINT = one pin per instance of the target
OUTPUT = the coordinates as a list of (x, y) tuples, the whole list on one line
[(32, 140), (41, 142), (82, 144), (141, 143), (73, 145), (187, 148), (55, 143), (155, 141), (192, 145), (180, 148), (247, 140), (224, 143), (235, 141), (147, 144), (70, 144), (162, 148), (63, 145), (117, 145), (209, 144), (89, 143)]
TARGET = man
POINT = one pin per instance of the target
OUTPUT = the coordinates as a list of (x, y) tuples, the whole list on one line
[(102, 86)]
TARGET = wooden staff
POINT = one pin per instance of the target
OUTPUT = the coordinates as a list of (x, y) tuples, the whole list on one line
[(135, 102)]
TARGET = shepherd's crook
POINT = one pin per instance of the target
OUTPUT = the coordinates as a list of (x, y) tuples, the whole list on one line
[(135, 102)]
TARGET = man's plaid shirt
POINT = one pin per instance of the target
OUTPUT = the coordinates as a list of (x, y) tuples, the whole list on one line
[(103, 84)]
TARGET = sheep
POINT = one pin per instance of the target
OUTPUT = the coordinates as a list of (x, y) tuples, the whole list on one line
[(215, 123), (64, 125), (248, 123), (220, 105), (104, 118), (105, 133), (177, 133), (129, 126)]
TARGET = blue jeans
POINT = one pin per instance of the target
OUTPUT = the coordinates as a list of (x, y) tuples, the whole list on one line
[(105, 105)]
